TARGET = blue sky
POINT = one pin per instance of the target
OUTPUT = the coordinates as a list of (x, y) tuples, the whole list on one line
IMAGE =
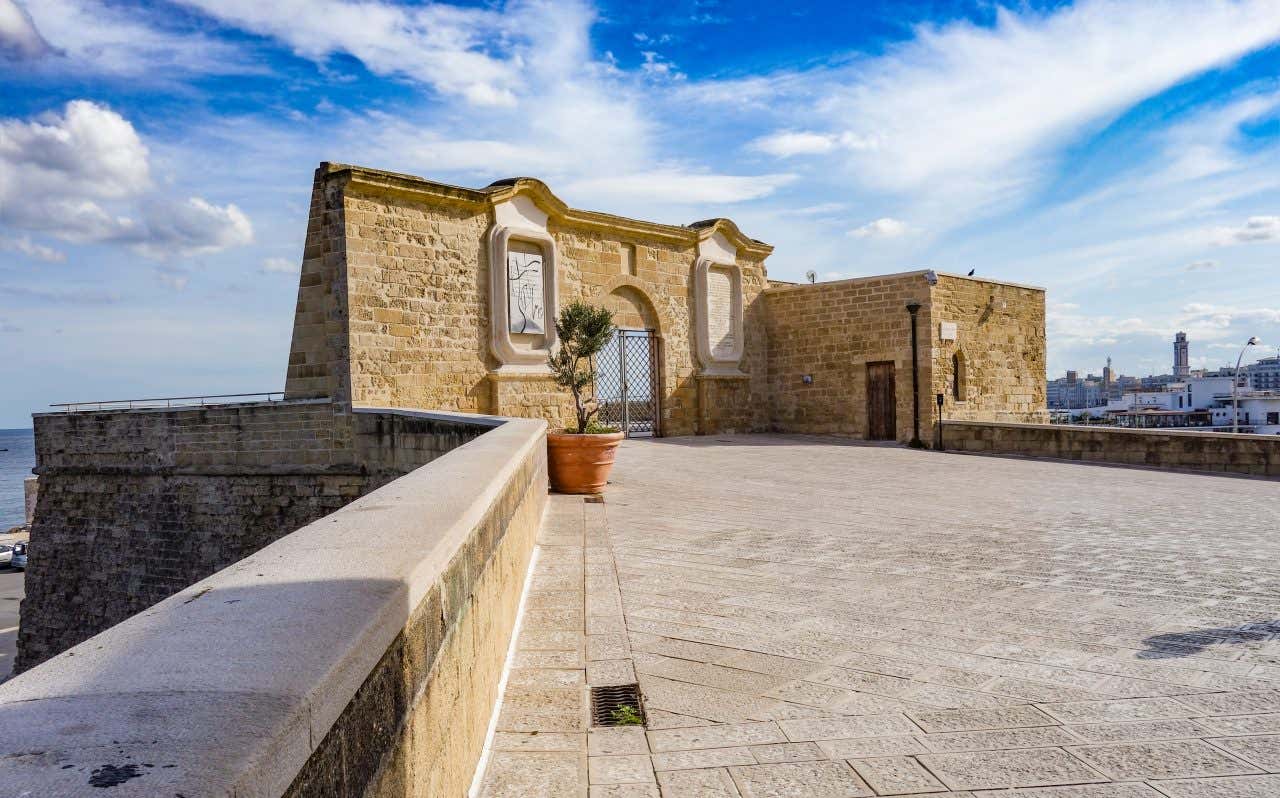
[(156, 157)]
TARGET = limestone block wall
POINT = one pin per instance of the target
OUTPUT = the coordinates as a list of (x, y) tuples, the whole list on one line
[(404, 264), (1257, 455), (1000, 342), (830, 331), (135, 506), (358, 655)]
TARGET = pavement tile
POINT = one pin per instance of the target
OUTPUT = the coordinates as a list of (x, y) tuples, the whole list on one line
[(1243, 703), (1244, 724), (624, 791), (799, 780), (703, 758), (1170, 759), (896, 775), (604, 672), (787, 752), (533, 775), (865, 747), (1138, 731), (1230, 787), (719, 736), (980, 719), (714, 783), (619, 769), (529, 741), (1124, 709), (1124, 790), (610, 741), (807, 729), (1262, 750), (1037, 737), (1030, 767)]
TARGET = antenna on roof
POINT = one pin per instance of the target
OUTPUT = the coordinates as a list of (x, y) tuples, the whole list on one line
[(811, 276)]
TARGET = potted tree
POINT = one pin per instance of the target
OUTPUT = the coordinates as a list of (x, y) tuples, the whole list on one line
[(579, 460)]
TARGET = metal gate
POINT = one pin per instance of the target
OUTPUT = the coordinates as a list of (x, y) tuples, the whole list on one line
[(627, 383)]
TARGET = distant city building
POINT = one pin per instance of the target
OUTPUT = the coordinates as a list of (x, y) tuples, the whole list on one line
[(1181, 357), (1265, 374)]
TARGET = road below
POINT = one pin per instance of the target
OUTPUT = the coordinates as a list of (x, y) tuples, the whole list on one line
[(10, 597)]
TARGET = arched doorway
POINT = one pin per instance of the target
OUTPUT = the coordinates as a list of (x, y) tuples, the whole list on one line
[(628, 370)]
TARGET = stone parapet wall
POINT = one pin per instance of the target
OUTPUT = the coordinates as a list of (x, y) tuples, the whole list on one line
[(136, 505), (358, 655), (1257, 455)]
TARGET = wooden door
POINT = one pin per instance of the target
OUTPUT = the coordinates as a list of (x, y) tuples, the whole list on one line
[(882, 403)]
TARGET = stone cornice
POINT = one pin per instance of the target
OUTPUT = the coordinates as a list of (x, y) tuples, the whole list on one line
[(393, 183)]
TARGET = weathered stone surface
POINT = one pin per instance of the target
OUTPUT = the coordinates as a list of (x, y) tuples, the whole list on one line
[(799, 780), (1032, 767)]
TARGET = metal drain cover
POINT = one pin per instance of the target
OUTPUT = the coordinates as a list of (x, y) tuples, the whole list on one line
[(617, 705)]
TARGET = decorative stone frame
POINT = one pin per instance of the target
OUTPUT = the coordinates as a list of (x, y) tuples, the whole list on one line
[(711, 364), (510, 357)]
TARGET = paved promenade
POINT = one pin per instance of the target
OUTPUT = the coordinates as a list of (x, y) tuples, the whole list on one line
[(808, 617)]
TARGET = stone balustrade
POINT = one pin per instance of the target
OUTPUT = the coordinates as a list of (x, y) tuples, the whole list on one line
[(1257, 455), (358, 655)]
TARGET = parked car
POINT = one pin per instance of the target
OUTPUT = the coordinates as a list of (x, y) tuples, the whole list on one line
[(6, 554), (18, 557)]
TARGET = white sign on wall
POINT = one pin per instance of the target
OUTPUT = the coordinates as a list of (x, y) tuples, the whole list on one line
[(947, 330), (524, 293)]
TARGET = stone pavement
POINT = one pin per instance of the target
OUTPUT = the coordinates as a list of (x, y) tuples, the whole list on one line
[(813, 617)]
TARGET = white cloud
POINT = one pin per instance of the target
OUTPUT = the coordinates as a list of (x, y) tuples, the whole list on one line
[(19, 38), (32, 249), (280, 266), (968, 118), (1255, 229), (126, 42), (788, 143), (677, 186), (447, 47), (1201, 266), (85, 176), (881, 228)]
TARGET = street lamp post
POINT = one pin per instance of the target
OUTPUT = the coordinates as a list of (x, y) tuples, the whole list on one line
[(1235, 385)]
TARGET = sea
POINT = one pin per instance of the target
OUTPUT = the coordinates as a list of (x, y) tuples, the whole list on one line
[(15, 466)]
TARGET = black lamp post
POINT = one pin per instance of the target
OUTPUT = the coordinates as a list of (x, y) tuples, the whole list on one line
[(913, 308), (939, 442)]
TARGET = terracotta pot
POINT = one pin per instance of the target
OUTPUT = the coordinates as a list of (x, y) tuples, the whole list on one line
[(580, 463)]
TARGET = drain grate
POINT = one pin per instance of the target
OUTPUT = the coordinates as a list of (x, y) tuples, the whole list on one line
[(594, 498), (617, 705)]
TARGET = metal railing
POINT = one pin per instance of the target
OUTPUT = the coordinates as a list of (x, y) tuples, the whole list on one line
[(169, 401)]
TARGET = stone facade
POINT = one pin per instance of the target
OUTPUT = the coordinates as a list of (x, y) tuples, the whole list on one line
[(403, 264), (395, 303), (829, 332), (135, 506)]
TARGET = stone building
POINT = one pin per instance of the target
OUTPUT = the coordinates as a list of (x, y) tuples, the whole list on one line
[(401, 310), (400, 305)]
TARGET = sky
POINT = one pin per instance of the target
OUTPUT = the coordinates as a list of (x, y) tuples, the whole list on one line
[(156, 158)]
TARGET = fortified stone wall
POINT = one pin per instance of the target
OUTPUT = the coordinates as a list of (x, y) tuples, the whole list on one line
[(831, 331), (1000, 345), (1257, 455), (135, 506), (357, 656), (405, 262)]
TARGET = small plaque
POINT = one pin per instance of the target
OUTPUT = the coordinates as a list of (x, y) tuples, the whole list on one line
[(947, 330)]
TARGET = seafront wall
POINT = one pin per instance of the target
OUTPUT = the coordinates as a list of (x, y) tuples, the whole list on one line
[(1256, 455), (136, 505), (359, 655)]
